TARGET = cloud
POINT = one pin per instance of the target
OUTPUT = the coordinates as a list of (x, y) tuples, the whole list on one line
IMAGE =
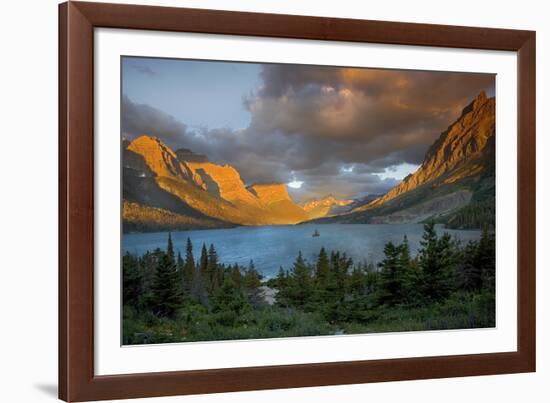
[(144, 70), (388, 110), (138, 119), (310, 122)]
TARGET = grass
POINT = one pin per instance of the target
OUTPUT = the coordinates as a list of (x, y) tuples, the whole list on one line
[(194, 322), (460, 311)]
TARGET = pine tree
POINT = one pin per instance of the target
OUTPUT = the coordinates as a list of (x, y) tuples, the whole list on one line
[(131, 281), (404, 253), (180, 263), (485, 259), (357, 299), (469, 275), (203, 261), (148, 267), (252, 278), (212, 273), (282, 282), (199, 287), (236, 275), (170, 248), (435, 259), (166, 297), (300, 284), (322, 269), (409, 274), (228, 303), (252, 281), (390, 286), (331, 295), (183, 286), (340, 265), (189, 266), (281, 278)]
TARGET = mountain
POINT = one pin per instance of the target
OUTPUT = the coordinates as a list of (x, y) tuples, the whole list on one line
[(185, 154), (274, 198), (455, 181), (222, 181), (326, 206), (455, 185), (163, 189), (356, 203)]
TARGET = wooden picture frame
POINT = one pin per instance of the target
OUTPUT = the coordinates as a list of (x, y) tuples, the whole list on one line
[(77, 21)]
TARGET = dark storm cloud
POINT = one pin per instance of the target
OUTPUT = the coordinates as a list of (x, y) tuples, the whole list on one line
[(385, 109), (334, 129), (138, 119)]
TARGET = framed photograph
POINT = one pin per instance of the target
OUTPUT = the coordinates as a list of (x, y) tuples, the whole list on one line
[(257, 201)]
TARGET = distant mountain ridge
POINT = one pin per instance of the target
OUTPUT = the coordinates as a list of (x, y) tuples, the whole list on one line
[(458, 171), (167, 189), (323, 207)]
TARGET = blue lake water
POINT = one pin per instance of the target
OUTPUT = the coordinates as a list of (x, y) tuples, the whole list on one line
[(273, 246)]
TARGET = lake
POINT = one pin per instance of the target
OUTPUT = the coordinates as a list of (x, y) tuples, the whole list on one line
[(273, 246)]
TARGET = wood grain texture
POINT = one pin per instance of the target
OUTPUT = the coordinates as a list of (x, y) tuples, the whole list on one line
[(77, 21), (76, 209)]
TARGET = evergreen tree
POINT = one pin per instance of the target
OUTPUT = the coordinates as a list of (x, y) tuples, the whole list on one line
[(199, 287), (132, 278), (300, 284), (166, 298), (322, 269), (203, 261), (148, 267), (409, 274), (282, 282), (435, 259), (404, 253), (252, 281), (170, 248), (180, 268), (372, 279), (281, 279), (469, 275), (189, 266), (212, 273), (340, 265), (252, 278), (228, 303), (236, 275), (357, 299), (485, 260), (356, 284), (332, 295), (180, 263), (390, 290)]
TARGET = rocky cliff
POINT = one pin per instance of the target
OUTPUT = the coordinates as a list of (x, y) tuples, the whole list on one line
[(458, 171), (463, 143)]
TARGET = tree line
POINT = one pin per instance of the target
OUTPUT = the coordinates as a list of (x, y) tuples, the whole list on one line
[(343, 291), (170, 297), (162, 283), (479, 214)]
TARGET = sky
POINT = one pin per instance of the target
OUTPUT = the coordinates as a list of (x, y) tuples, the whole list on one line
[(349, 132)]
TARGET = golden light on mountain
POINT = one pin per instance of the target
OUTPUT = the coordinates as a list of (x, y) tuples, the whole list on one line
[(460, 145), (162, 185)]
